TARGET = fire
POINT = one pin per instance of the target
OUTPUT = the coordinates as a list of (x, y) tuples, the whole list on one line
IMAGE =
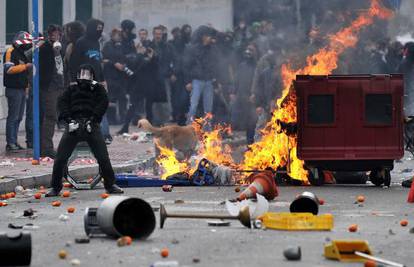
[(276, 149)]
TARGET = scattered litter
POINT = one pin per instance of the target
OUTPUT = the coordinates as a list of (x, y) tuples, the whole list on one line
[(175, 241), (237, 189), (3, 204), (30, 226), (28, 213), (321, 201), (305, 202), (256, 208), (165, 264), (124, 241), (353, 228), (164, 252), (62, 254), (104, 195), (179, 201), (68, 244), (140, 137), (370, 264), (82, 240), (412, 230), (75, 262), (19, 189), (218, 223), (262, 183), (155, 250), (63, 217), (391, 232), (196, 260), (258, 224), (213, 230), (403, 223), (13, 226), (293, 253), (167, 188), (406, 170), (376, 259), (6, 163), (38, 196), (297, 221)]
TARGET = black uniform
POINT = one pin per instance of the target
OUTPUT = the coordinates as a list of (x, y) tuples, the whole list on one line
[(85, 104)]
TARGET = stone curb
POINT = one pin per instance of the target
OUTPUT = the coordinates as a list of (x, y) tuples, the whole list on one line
[(9, 184)]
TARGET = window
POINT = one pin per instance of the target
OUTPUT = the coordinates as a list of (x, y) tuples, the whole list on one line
[(16, 18), (321, 109), (378, 109)]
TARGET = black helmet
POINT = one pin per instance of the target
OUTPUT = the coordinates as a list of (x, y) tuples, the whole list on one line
[(85, 73), (127, 25), (23, 40)]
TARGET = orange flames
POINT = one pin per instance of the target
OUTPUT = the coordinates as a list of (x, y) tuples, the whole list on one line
[(276, 149)]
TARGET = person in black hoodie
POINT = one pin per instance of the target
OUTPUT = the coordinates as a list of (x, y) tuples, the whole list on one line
[(82, 107), (51, 86), (87, 51)]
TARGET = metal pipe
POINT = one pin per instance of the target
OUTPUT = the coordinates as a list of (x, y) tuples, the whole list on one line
[(387, 262)]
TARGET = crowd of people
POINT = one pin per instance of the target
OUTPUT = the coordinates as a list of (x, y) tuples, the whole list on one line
[(176, 75)]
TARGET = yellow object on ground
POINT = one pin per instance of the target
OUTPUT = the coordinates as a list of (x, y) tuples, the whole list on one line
[(344, 250), (299, 221)]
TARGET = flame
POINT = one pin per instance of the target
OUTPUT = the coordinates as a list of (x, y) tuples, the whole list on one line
[(277, 149)]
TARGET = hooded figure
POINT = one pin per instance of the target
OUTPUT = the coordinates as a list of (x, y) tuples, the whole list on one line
[(128, 36), (87, 50)]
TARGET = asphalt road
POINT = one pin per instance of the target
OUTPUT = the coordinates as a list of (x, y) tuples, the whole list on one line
[(378, 220)]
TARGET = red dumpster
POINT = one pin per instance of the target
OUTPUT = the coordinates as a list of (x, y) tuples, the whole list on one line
[(350, 123)]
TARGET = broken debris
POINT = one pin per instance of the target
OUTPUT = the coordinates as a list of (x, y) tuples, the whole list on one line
[(293, 253)]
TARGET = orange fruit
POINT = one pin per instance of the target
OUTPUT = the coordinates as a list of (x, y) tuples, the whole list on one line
[(71, 209), (9, 195), (13, 194), (237, 189), (66, 194), (56, 203), (403, 222), (360, 199), (3, 204), (38, 195), (35, 162), (104, 195), (3, 196), (67, 185), (370, 264), (321, 201), (62, 254), (353, 228), (124, 241), (164, 252)]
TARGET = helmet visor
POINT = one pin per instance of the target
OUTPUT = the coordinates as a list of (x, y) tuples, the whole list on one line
[(85, 74)]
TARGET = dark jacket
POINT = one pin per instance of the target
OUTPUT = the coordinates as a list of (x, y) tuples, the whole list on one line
[(112, 53), (78, 103), (164, 54), (47, 65), (199, 63), (87, 51), (14, 62)]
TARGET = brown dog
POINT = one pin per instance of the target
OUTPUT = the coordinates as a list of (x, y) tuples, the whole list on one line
[(181, 138)]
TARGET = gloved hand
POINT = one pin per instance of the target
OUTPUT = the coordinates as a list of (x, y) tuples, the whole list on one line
[(88, 126), (73, 126)]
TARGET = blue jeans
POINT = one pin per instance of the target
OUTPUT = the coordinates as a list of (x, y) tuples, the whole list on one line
[(200, 89), (16, 99), (105, 127)]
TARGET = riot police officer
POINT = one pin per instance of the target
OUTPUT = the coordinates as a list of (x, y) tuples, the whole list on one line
[(82, 106)]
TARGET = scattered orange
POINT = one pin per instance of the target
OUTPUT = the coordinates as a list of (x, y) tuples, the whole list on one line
[(237, 189), (104, 195), (67, 185), (321, 201), (66, 194), (1, 204), (4, 204), (403, 222), (62, 254), (9, 195), (370, 264), (35, 162), (71, 209), (56, 203), (3, 196), (164, 252), (13, 194), (38, 195), (124, 241), (353, 228), (360, 199)]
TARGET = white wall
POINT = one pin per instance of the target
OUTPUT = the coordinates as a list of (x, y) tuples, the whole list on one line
[(171, 13)]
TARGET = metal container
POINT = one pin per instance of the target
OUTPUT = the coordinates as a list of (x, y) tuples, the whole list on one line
[(305, 202), (126, 216), (15, 249)]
